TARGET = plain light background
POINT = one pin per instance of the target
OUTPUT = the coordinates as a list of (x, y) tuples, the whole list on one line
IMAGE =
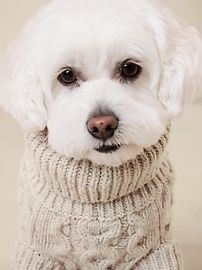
[(185, 148)]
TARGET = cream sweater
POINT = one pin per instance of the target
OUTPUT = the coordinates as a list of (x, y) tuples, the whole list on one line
[(80, 216)]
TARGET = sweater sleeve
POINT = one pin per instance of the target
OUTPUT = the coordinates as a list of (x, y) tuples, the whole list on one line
[(167, 257), (28, 258)]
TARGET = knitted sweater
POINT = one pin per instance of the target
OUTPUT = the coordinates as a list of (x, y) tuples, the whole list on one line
[(80, 216)]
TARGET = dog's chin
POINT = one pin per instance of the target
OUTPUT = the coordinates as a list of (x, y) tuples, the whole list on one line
[(113, 155)]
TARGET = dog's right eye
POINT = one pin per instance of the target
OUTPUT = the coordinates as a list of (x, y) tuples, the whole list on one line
[(67, 77)]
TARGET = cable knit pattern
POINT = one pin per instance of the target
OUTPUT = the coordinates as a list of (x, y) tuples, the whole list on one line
[(80, 216)]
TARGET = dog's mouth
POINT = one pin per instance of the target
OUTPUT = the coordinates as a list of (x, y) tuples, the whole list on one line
[(107, 149)]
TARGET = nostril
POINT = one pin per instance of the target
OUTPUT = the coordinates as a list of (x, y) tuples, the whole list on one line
[(95, 130), (109, 128)]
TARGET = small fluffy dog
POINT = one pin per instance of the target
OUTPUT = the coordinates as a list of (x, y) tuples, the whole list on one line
[(95, 85)]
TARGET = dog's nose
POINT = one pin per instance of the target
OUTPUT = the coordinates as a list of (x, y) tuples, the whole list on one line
[(102, 127)]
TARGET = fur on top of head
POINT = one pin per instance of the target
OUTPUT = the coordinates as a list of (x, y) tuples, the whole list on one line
[(95, 39)]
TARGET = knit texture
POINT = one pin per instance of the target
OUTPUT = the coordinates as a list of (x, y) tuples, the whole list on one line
[(80, 216)]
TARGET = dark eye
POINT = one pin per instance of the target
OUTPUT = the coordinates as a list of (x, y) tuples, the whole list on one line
[(130, 70), (67, 77)]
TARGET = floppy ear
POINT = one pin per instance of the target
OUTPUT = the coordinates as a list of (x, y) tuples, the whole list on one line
[(180, 48), (21, 91), (182, 70)]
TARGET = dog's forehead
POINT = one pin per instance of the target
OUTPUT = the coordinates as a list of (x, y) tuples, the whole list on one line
[(96, 7), (82, 26), (98, 17)]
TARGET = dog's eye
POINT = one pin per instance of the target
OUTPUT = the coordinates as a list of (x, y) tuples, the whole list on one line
[(67, 77), (130, 70)]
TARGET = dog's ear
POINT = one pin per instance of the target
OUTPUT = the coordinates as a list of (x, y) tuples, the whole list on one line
[(21, 90), (180, 49)]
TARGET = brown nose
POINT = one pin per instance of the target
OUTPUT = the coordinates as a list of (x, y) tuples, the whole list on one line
[(102, 127)]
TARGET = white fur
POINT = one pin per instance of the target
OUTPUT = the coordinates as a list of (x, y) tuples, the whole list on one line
[(94, 36)]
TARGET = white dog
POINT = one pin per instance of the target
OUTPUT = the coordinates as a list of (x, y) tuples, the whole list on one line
[(103, 79)]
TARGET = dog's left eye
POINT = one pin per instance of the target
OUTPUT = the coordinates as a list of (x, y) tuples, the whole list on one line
[(67, 77), (130, 70)]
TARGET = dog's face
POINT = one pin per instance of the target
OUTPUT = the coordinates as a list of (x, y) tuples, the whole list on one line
[(105, 77)]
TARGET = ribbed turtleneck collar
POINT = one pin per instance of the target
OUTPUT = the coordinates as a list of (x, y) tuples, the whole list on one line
[(85, 182)]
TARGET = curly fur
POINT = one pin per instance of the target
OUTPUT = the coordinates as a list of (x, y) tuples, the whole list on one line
[(94, 36)]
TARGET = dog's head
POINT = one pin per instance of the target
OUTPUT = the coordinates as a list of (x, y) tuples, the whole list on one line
[(105, 77)]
